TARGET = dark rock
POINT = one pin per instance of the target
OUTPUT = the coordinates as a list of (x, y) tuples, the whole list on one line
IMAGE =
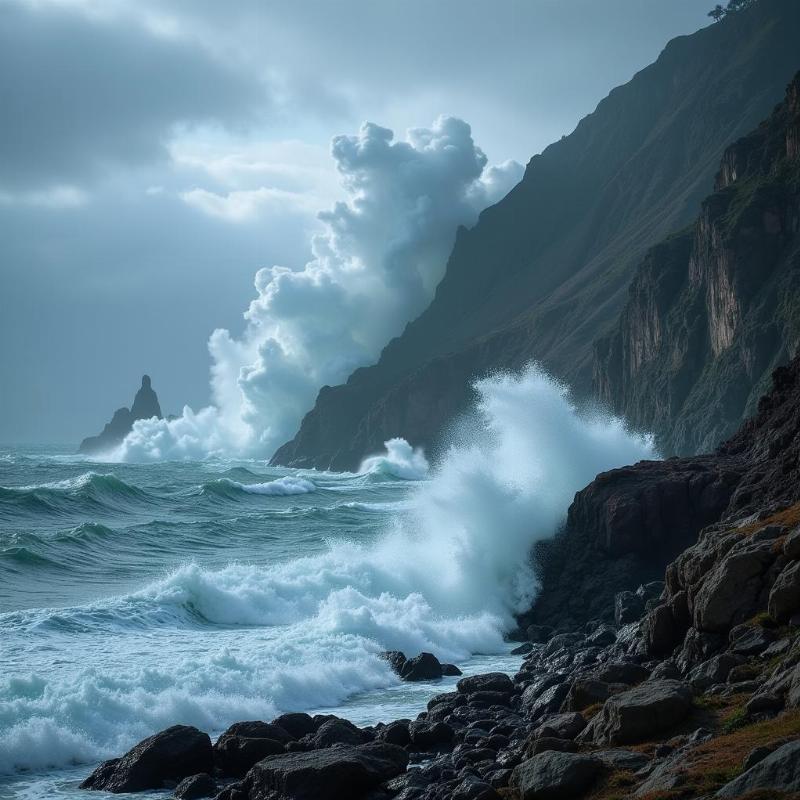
[(765, 703), (585, 693), (623, 672), (554, 775), (755, 755), (565, 726), (296, 724), (397, 733), (234, 754), (538, 634), (337, 731), (628, 607), (602, 636), (472, 788), (619, 759), (424, 667), (145, 406), (715, 670), (750, 640), (650, 708), (784, 597), (202, 785), (329, 774), (548, 702), (489, 682), (171, 755), (425, 735), (451, 670), (665, 670), (522, 650), (791, 545), (777, 772), (396, 659)]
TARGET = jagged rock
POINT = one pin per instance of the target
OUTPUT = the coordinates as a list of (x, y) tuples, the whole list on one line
[(665, 670), (472, 788), (584, 693), (563, 726), (715, 670), (145, 406), (651, 707), (730, 592), (396, 659), (328, 774), (602, 636), (555, 775), (628, 607), (749, 640), (778, 772), (425, 735), (424, 667), (171, 755), (196, 786), (784, 597)]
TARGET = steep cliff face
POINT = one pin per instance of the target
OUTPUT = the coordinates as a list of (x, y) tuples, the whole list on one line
[(713, 310), (544, 272), (628, 524)]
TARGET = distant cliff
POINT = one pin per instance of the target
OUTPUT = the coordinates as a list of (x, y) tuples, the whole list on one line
[(545, 272), (145, 406), (713, 310)]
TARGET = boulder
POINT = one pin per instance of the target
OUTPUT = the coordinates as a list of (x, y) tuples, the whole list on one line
[(791, 544), (236, 754), (424, 667), (623, 672), (489, 682), (337, 731), (784, 597), (730, 592), (171, 755), (296, 724), (715, 670), (555, 775), (396, 732), (425, 735), (329, 774), (585, 693), (777, 772), (472, 788), (565, 726), (451, 670), (196, 786), (650, 708)]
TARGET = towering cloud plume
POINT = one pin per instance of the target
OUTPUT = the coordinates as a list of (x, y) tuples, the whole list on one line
[(375, 266)]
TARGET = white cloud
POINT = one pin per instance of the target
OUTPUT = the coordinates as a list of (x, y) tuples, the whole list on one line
[(244, 205), (54, 197), (375, 266)]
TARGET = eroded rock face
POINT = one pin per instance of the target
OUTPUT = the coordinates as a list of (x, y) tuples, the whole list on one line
[(171, 755)]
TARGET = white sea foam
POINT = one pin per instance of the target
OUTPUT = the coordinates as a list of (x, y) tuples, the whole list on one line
[(401, 460), (246, 641), (287, 485)]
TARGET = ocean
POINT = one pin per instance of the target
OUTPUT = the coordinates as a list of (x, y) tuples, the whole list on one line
[(135, 596)]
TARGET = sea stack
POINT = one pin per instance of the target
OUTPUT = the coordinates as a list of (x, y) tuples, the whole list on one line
[(145, 406)]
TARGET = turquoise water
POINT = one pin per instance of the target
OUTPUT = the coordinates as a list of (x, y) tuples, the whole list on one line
[(136, 596)]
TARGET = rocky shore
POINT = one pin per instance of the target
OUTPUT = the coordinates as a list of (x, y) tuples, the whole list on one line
[(685, 687)]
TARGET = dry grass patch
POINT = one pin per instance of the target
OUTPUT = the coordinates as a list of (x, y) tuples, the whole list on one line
[(790, 517)]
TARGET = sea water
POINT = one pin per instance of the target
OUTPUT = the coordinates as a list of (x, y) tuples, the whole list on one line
[(138, 596)]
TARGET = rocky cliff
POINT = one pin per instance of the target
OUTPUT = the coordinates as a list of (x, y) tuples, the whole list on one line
[(713, 310), (545, 271), (628, 524), (145, 406)]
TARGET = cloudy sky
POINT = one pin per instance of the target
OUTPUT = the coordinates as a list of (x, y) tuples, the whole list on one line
[(155, 155)]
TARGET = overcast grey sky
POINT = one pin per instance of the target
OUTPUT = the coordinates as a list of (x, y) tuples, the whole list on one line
[(154, 155)]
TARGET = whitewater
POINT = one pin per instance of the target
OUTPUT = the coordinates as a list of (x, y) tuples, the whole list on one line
[(134, 596)]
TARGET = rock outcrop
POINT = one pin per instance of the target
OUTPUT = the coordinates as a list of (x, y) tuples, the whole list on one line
[(712, 311), (145, 406), (546, 270)]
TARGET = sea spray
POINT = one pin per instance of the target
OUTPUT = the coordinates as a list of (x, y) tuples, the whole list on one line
[(209, 645)]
